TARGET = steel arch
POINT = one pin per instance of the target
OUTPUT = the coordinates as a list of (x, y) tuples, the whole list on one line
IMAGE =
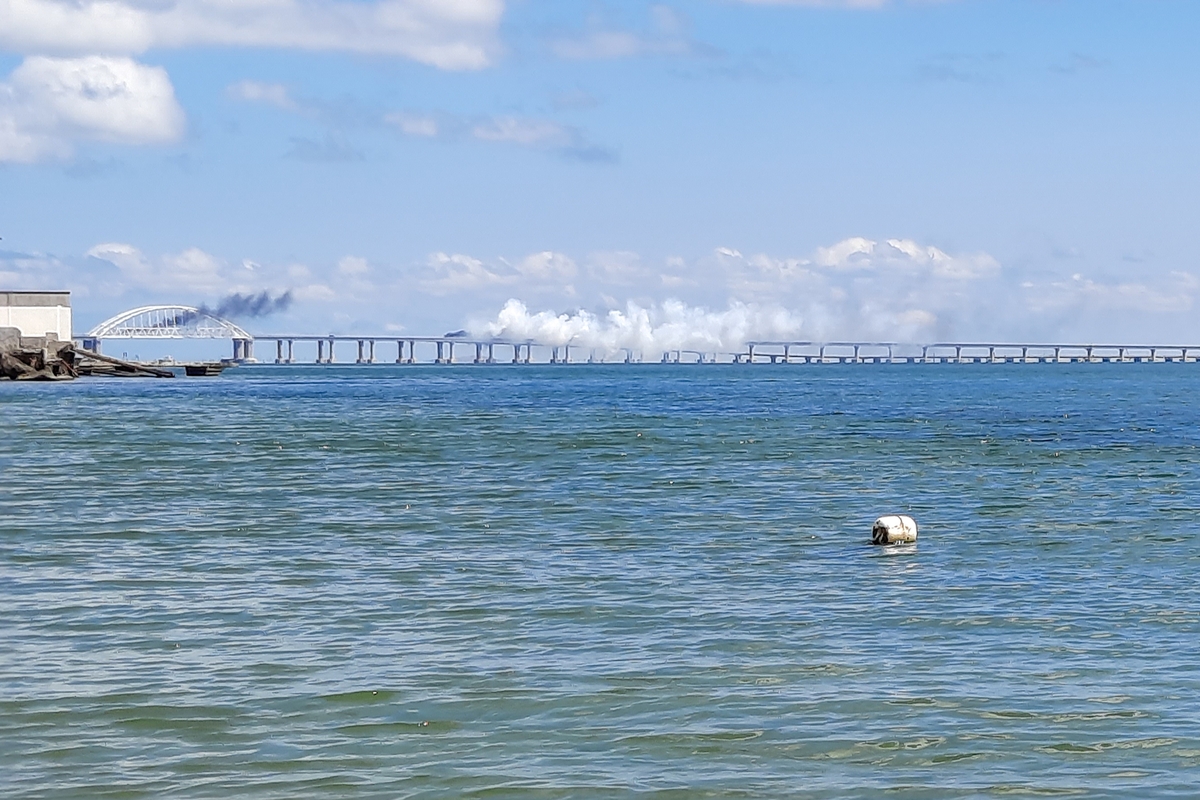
[(167, 322)]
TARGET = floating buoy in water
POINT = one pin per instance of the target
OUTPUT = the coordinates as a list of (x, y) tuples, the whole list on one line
[(894, 529)]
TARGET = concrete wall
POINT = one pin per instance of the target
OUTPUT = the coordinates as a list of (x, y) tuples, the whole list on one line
[(37, 313)]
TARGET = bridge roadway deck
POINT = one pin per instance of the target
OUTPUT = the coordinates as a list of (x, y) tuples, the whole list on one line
[(442, 350)]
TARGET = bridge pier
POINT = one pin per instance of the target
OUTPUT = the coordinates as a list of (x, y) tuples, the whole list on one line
[(360, 358), (279, 351), (243, 349), (491, 356)]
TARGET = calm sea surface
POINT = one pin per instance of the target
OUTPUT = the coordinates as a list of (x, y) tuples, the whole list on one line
[(552, 582)]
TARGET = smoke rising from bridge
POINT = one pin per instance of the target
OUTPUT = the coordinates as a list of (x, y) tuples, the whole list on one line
[(672, 325)]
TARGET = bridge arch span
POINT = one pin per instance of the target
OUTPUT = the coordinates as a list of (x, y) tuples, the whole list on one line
[(171, 322)]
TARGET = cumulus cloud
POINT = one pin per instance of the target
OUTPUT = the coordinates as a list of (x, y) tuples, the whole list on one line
[(449, 34), (457, 273), (858, 253), (192, 270), (547, 265), (47, 104)]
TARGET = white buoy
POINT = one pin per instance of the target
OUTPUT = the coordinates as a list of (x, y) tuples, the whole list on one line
[(894, 529)]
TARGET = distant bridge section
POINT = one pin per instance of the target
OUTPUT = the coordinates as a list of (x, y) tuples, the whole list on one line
[(171, 322)]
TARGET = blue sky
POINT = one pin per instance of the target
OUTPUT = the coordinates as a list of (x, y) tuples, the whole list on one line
[(719, 170)]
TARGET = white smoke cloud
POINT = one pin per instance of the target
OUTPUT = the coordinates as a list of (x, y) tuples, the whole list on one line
[(671, 325)]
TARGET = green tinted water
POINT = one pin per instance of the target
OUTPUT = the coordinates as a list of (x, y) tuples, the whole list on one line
[(602, 582)]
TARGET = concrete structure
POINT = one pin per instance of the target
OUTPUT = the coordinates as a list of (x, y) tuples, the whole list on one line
[(37, 313)]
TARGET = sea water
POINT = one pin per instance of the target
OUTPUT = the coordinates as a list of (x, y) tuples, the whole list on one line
[(602, 581)]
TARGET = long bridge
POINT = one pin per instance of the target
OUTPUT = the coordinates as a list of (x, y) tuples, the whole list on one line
[(442, 350), (189, 322)]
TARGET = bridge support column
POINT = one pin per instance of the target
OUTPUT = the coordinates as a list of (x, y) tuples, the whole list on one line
[(749, 354), (279, 351), (291, 359), (399, 351), (491, 355), (330, 361), (320, 351), (371, 351), (360, 359)]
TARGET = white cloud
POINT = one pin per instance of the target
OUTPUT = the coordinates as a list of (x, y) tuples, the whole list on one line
[(271, 94), (457, 273), (192, 270), (547, 266), (865, 255), (449, 34), (49, 103), (852, 253)]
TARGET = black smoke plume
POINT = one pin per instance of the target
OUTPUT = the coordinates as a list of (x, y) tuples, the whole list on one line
[(250, 305), (236, 305)]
